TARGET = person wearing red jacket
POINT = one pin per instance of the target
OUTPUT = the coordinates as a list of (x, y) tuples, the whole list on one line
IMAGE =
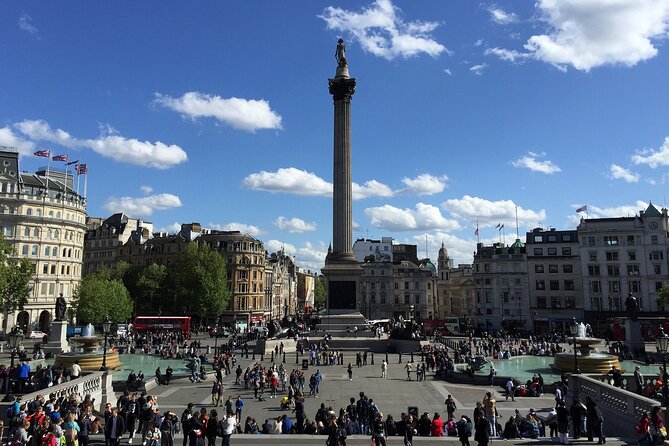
[(437, 429)]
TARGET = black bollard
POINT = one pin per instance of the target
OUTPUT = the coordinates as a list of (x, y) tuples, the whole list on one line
[(247, 353), (387, 358), (254, 355), (262, 356), (284, 356), (400, 358), (272, 357), (372, 358), (411, 356), (297, 357), (422, 356)]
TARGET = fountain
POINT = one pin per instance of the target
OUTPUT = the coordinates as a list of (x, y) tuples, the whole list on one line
[(90, 356), (588, 362)]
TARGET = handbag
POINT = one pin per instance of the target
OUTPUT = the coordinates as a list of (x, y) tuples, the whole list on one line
[(197, 432)]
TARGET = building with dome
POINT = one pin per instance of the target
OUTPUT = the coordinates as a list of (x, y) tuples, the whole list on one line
[(44, 220)]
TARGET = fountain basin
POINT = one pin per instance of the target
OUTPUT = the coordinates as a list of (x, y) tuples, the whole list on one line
[(88, 361), (591, 363)]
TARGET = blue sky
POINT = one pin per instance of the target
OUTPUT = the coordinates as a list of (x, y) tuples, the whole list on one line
[(219, 112)]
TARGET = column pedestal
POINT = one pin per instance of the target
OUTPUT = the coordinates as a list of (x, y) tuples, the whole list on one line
[(57, 338), (633, 338)]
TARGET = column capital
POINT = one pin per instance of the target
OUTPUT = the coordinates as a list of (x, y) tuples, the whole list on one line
[(342, 89)]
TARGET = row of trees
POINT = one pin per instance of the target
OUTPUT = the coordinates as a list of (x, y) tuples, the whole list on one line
[(196, 286)]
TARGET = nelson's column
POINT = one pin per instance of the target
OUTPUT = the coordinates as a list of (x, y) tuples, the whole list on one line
[(342, 270)]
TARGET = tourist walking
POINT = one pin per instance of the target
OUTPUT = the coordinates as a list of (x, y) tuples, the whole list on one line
[(595, 421), (490, 410), (408, 368), (384, 369), (482, 435), (464, 429), (562, 423), (349, 370), (638, 380), (450, 406)]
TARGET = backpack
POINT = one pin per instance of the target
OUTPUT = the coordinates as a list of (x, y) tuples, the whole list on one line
[(10, 412), (220, 428), (341, 434), (147, 413)]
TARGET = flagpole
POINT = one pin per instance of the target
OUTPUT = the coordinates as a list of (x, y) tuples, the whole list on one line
[(78, 178), (478, 237), (86, 182)]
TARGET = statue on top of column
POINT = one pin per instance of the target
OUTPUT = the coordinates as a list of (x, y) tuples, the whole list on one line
[(340, 53)]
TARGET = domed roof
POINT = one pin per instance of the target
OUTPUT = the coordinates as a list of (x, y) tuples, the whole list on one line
[(428, 265)]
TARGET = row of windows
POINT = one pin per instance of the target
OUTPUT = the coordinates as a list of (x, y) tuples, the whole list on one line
[(255, 303), (50, 289), (554, 285), (566, 251), (52, 268), (615, 286), (49, 251), (553, 238), (567, 268), (614, 270), (557, 302), (614, 240)]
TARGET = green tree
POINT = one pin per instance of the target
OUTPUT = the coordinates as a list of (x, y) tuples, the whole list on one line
[(663, 297), (200, 282), (150, 288), (99, 296), (15, 277), (320, 292)]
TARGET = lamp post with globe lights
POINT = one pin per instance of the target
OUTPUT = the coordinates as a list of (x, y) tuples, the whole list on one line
[(14, 339), (662, 344), (573, 327), (106, 328)]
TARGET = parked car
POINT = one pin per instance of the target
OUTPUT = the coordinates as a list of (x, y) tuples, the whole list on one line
[(219, 332), (35, 334)]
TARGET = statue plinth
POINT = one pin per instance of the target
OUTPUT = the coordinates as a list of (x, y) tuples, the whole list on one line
[(57, 338), (342, 72)]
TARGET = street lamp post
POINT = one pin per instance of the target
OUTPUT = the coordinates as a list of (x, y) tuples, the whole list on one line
[(662, 343), (14, 339), (573, 327), (106, 328), (217, 327)]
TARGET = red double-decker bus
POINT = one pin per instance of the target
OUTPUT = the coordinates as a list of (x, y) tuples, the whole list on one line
[(155, 323)]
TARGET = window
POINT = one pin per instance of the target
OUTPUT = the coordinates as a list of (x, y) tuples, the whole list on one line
[(569, 285), (570, 302), (658, 286), (552, 238), (593, 270), (52, 289), (555, 285), (34, 250), (615, 303), (552, 251), (567, 268), (406, 285), (486, 267), (556, 302), (632, 270), (505, 297), (653, 239), (611, 240), (488, 297), (596, 303), (538, 239), (656, 255), (614, 286), (24, 250), (552, 268), (630, 239), (540, 285), (45, 268), (541, 301), (566, 251), (595, 286), (538, 251), (38, 212), (407, 298), (566, 237), (611, 256), (592, 241), (538, 268), (29, 211), (657, 269), (613, 270), (631, 255), (593, 256), (54, 252), (47, 251), (634, 286), (36, 232)]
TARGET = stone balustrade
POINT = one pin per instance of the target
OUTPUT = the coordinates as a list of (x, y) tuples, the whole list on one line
[(96, 384), (621, 408)]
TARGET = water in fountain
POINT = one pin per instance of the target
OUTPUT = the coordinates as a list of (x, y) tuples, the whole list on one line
[(588, 362)]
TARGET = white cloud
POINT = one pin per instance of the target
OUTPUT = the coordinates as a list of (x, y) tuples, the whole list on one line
[(625, 210), (381, 31), (9, 139), (502, 17), (654, 157), (425, 217), (590, 33), (294, 225), (309, 255), (620, 173), (478, 69), (26, 24), (490, 213), (142, 206), (478, 43), (110, 145), (371, 188), (531, 162), (252, 230), (447, 71), (146, 189), (512, 56), (288, 180), (241, 114), (424, 184), (459, 249), (174, 228)]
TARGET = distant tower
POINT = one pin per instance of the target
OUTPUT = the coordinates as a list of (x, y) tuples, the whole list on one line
[(342, 270), (444, 264)]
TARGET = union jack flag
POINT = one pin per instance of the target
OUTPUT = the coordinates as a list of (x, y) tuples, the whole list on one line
[(44, 153), (60, 158), (81, 169)]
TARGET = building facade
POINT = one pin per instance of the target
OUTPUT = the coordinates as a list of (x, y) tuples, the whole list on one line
[(44, 220), (555, 286), (501, 287), (306, 288), (622, 256)]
